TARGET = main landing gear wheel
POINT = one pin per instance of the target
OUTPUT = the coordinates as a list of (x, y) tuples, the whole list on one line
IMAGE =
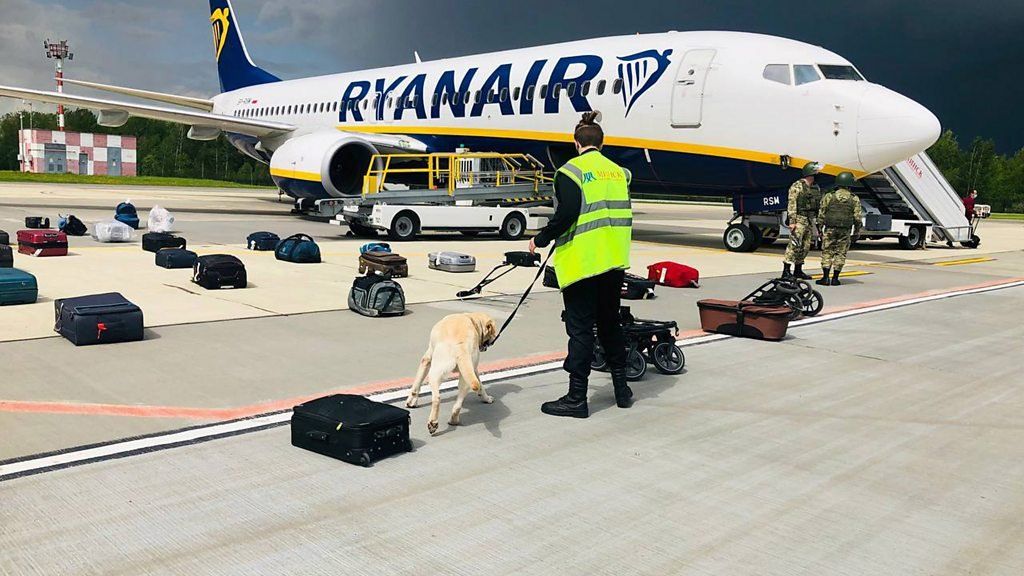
[(513, 227), (668, 358), (405, 226), (913, 240), (636, 365), (740, 238)]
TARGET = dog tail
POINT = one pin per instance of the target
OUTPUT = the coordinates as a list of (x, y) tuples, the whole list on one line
[(465, 364)]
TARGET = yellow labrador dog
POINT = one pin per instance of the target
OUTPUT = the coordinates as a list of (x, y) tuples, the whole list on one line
[(455, 343)]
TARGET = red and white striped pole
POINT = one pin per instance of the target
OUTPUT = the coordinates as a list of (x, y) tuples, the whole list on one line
[(59, 51), (60, 90)]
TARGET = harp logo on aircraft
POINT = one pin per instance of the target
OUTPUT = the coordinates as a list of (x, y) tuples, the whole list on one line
[(640, 72), (221, 23)]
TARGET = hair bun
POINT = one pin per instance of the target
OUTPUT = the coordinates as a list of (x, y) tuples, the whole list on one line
[(590, 118)]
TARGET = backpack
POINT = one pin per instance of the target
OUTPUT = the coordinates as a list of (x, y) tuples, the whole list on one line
[(375, 247), (126, 213), (298, 248), (839, 213), (375, 296), (72, 226)]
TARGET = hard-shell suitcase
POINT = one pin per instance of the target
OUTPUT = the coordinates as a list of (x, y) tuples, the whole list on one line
[(744, 318), (176, 258), (6, 256), (42, 243), (5, 238), (37, 222), (98, 319), (299, 249), (451, 262), (219, 270), (156, 241), (351, 428), (383, 263), (262, 241), (17, 287)]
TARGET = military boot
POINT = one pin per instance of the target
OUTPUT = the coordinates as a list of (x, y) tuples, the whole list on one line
[(835, 277), (573, 404), (798, 272), (824, 280), (787, 270), (623, 393)]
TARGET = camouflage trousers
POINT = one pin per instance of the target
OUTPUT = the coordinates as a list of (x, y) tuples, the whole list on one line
[(800, 241), (834, 244)]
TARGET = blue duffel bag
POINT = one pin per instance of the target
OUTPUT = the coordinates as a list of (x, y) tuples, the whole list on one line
[(298, 248), (262, 241), (375, 247), (126, 213)]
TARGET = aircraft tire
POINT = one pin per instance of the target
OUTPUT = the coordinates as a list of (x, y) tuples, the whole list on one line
[(739, 238)]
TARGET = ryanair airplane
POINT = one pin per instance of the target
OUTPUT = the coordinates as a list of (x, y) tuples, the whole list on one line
[(712, 113)]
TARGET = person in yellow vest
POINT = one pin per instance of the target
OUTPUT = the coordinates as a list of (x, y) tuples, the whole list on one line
[(592, 230)]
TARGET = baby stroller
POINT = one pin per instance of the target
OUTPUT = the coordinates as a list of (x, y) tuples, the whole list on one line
[(647, 341), (792, 292)]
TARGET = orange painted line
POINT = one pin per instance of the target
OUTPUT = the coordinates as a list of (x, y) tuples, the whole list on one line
[(217, 414)]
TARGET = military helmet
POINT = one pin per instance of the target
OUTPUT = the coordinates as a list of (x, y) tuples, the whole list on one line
[(846, 180), (811, 169)]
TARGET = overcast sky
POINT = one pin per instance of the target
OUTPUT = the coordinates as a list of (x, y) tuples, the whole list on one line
[(962, 59)]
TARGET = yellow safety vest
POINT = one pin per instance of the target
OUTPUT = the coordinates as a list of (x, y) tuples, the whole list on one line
[(599, 240)]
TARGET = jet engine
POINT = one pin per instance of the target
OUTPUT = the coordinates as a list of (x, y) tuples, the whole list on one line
[(322, 164)]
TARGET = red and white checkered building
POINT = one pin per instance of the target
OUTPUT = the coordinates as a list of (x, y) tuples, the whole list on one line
[(54, 152)]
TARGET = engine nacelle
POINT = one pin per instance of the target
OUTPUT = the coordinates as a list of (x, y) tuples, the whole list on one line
[(321, 165)]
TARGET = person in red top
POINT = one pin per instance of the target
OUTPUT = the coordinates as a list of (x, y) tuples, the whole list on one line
[(969, 204)]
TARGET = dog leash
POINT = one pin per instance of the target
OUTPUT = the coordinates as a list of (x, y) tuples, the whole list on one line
[(540, 272)]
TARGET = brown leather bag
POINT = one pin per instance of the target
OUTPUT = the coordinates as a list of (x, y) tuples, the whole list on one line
[(384, 264), (744, 318)]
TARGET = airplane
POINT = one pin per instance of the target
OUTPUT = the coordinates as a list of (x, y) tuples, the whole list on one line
[(688, 113)]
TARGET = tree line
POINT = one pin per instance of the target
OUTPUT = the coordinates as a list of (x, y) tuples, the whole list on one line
[(164, 150)]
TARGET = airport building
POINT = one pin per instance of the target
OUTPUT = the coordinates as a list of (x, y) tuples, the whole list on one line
[(55, 152)]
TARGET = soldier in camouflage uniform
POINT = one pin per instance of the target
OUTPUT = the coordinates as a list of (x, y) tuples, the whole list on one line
[(839, 213), (804, 199)]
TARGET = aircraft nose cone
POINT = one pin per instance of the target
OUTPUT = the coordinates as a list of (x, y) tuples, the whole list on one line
[(892, 128)]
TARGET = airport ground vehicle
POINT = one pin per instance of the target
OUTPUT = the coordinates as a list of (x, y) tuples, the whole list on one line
[(468, 192)]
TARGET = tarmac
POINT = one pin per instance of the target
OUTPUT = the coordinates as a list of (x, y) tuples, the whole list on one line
[(883, 439)]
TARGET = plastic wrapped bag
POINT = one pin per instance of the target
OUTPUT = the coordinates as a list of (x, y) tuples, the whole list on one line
[(111, 231), (160, 220)]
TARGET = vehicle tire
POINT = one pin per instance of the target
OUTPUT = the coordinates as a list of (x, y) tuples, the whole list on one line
[(636, 365), (362, 231), (974, 242), (668, 358), (913, 240), (405, 226), (739, 238), (470, 233), (513, 227), (600, 362)]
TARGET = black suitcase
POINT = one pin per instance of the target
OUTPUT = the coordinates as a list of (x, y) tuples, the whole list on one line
[(37, 222), (176, 258), (5, 238), (98, 319), (6, 256), (156, 241), (351, 428), (219, 270), (262, 241)]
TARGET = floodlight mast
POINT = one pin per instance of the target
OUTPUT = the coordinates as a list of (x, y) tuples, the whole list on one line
[(59, 51)]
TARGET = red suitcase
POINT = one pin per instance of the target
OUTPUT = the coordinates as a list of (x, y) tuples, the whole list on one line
[(42, 243), (674, 274), (744, 318)]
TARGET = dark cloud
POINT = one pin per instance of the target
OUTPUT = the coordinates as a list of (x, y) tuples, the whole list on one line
[(961, 59)]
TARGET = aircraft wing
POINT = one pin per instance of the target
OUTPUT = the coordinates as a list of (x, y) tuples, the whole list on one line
[(113, 113), (203, 104)]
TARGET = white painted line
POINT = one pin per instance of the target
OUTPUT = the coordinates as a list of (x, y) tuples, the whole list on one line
[(150, 444)]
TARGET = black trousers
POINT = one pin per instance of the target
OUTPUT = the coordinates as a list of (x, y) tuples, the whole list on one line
[(588, 303)]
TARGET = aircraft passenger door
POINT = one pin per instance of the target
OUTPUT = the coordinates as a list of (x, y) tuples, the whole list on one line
[(688, 91)]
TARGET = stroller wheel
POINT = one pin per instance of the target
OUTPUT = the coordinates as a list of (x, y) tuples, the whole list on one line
[(636, 365), (668, 358), (796, 305), (599, 363), (812, 303)]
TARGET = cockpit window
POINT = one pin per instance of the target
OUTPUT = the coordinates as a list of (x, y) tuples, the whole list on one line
[(805, 74), (777, 73), (837, 72)]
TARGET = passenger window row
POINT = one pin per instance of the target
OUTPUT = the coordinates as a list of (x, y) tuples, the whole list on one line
[(557, 91)]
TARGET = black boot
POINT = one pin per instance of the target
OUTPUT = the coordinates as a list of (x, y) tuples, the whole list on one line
[(623, 393), (824, 280), (787, 271), (835, 277), (573, 404), (799, 273)]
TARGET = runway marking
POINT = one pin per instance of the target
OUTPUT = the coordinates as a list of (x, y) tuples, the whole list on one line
[(891, 266), (42, 463), (964, 261), (849, 274)]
